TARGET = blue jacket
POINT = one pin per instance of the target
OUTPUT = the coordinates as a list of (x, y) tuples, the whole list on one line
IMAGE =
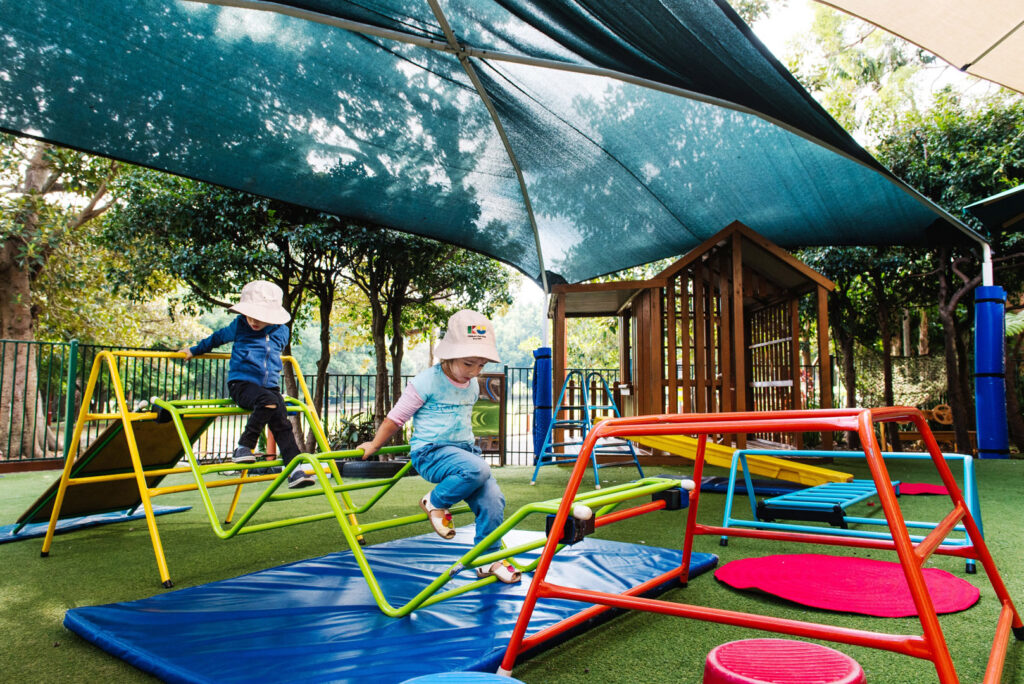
[(255, 356)]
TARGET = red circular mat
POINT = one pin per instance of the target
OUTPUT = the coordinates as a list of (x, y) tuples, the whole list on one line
[(849, 585)]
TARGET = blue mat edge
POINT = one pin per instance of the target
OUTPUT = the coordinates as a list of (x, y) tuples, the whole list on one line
[(36, 530)]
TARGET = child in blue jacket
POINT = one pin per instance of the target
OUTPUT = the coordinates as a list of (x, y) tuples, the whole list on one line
[(259, 335)]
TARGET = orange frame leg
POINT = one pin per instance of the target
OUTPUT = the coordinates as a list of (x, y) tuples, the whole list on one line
[(929, 645)]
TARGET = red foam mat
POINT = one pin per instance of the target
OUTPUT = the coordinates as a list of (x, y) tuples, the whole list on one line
[(843, 584), (914, 488)]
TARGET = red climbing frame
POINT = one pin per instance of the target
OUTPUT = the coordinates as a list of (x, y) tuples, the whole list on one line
[(930, 645)]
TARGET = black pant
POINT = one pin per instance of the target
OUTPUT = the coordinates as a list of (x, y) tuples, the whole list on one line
[(251, 396)]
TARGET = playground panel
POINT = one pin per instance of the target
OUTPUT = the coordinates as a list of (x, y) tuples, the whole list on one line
[(159, 450), (830, 503)]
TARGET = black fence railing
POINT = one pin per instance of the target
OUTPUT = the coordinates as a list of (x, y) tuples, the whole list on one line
[(41, 385)]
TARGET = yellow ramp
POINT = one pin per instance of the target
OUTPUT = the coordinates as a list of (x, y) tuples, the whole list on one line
[(761, 466)]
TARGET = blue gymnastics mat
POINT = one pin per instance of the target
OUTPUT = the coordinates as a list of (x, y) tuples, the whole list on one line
[(34, 530), (316, 620)]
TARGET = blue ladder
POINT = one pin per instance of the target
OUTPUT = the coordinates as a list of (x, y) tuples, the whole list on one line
[(823, 503), (583, 425)]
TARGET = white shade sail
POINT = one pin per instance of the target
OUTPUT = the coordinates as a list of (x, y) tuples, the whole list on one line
[(984, 38)]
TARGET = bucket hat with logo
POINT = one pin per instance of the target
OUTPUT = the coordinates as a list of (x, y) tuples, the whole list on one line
[(469, 334)]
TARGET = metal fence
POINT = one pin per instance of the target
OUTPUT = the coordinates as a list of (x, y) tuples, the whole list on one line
[(42, 384), (37, 410)]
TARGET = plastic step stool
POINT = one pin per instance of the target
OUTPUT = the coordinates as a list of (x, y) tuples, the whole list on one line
[(779, 661)]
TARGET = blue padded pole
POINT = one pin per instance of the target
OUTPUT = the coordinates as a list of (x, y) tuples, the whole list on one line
[(541, 397), (989, 371)]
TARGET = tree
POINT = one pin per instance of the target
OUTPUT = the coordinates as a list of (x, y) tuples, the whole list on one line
[(48, 194), (216, 240), (413, 283), (844, 266), (952, 152), (956, 153), (861, 74)]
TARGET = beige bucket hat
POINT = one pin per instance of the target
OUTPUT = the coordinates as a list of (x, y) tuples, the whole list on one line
[(469, 334), (261, 299)]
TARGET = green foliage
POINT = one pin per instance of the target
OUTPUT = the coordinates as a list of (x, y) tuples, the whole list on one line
[(427, 280), (752, 10), (348, 432), (47, 191), (862, 75), (1014, 323), (48, 209), (212, 238), (958, 151)]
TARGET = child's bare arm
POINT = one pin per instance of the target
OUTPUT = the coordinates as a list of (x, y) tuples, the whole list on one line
[(388, 429)]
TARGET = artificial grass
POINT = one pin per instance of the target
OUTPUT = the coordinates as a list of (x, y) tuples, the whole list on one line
[(115, 563)]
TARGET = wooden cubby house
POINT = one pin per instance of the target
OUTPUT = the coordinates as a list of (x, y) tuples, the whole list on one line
[(717, 331)]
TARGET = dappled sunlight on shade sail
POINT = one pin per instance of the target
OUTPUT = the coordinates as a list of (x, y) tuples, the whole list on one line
[(386, 128)]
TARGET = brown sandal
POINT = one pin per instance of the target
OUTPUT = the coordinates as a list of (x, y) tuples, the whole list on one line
[(503, 570), (440, 518)]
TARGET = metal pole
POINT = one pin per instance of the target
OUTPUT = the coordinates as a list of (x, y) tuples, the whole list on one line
[(69, 400)]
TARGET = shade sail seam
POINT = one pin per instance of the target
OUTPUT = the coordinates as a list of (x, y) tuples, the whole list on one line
[(993, 46), (482, 93)]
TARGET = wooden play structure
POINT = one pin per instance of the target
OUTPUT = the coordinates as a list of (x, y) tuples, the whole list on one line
[(715, 332)]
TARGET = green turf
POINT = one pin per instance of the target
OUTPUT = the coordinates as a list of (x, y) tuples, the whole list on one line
[(115, 563)]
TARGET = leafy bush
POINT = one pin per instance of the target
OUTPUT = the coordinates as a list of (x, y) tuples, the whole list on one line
[(348, 432)]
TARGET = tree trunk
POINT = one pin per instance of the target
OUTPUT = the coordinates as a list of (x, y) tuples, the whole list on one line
[(22, 418), (378, 324), (905, 338), (1013, 415), (963, 367), (888, 396), (884, 318), (955, 389), (922, 334), (844, 336), (397, 349)]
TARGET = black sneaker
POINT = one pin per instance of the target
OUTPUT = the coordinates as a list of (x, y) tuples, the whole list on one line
[(243, 454), (300, 478)]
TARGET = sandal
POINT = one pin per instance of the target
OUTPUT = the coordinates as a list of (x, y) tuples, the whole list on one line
[(503, 570), (440, 518)]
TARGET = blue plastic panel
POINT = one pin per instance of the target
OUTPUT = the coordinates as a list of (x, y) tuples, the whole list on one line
[(34, 530)]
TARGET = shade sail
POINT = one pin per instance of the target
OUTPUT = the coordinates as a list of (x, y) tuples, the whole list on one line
[(568, 138), (1000, 212), (985, 38)]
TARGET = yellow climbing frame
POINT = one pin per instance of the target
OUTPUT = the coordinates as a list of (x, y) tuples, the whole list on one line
[(336, 493)]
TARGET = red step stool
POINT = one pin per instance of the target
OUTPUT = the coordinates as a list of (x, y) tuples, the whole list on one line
[(780, 661)]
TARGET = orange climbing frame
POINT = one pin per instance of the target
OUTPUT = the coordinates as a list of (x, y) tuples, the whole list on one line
[(930, 645)]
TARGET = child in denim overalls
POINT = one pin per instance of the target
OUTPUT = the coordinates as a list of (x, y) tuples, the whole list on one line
[(442, 446)]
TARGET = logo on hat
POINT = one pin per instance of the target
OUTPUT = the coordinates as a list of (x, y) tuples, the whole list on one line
[(476, 331)]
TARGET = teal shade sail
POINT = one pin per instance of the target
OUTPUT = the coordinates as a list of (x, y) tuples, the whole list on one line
[(567, 139), (1000, 212)]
